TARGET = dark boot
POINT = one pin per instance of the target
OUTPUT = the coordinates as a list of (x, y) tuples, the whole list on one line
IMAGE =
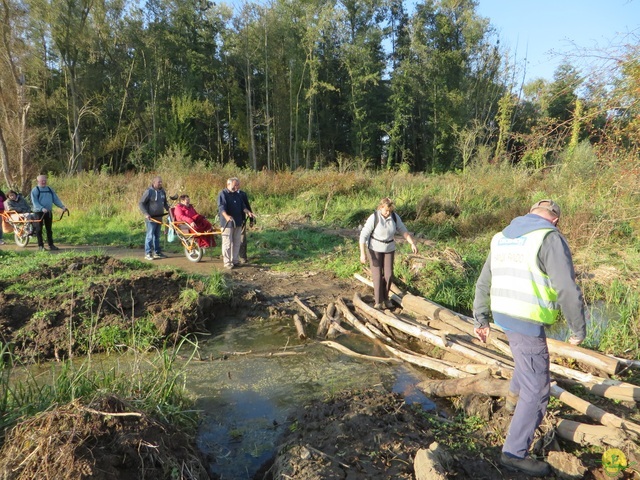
[(526, 465)]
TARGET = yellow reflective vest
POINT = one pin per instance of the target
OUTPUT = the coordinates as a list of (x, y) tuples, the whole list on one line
[(518, 287)]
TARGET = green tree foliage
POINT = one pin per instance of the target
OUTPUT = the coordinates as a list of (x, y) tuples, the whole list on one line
[(115, 85)]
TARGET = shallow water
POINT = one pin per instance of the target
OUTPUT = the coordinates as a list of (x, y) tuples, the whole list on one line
[(598, 317), (246, 398)]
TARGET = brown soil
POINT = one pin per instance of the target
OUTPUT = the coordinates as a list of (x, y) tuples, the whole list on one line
[(356, 435)]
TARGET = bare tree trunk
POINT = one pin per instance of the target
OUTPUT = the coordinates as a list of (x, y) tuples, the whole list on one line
[(252, 140), (4, 159)]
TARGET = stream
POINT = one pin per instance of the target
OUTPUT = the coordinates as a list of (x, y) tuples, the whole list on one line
[(246, 397)]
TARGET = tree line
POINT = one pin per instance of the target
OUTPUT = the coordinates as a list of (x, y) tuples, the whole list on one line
[(115, 85)]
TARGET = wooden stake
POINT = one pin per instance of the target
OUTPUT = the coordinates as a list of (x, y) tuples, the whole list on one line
[(299, 327)]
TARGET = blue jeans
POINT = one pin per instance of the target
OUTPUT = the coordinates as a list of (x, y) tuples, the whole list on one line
[(152, 240), (531, 381)]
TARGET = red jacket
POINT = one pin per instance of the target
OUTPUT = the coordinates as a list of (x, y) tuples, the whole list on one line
[(186, 213)]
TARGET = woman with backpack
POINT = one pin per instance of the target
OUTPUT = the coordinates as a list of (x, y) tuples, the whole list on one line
[(378, 235)]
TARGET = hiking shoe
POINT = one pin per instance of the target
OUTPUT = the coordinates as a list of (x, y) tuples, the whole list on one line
[(41, 248), (511, 402), (2, 242), (53, 247), (389, 304), (379, 306), (148, 256), (228, 267), (527, 465), (159, 255)]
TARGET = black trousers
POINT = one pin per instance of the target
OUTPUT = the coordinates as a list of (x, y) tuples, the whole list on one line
[(46, 219), (243, 243)]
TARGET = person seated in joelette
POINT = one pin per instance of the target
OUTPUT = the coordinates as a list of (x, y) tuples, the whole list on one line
[(185, 212)]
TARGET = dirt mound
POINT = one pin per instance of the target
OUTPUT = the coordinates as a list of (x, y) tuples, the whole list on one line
[(104, 440), (86, 302)]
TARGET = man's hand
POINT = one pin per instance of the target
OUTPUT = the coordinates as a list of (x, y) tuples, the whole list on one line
[(482, 333), (575, 341)]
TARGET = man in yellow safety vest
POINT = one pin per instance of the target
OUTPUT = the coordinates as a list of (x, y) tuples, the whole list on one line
[(526, 280)]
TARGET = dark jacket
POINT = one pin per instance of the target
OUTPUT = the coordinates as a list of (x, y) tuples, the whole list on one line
[(233, 204), (19, 205), (554, 259), (153, 202)]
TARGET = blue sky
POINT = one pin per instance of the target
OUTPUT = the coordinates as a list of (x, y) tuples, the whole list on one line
[(544, 31)]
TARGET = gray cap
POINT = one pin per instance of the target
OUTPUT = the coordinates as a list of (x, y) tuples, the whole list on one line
[(547, 204)]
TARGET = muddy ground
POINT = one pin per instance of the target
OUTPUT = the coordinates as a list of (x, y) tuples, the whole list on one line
[(370, 435)]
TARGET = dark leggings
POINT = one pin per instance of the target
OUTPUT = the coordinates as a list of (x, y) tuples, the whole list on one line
[(46, 219), (381, 273)]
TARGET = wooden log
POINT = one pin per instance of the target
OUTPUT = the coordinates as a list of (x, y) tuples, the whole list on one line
[(351, 318), (311, 313), (432, 310), (331, 311), (484, 384), (596, 413), (335, 328), (595, 435), (614, 392), (299, 327), (425, 335), (604, 363), (558, 369), (422, 306), (323, 326), (396, 295), (626, 362), (426, 362), (351, 353)]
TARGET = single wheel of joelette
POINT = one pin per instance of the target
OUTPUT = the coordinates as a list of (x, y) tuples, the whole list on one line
[(21, 238), (194, 254)]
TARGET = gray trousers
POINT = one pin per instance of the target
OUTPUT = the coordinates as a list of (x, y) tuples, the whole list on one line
[(231, 245), (531, 381), (381, 274)]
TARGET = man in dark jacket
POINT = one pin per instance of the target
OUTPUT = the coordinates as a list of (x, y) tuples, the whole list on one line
[(153, 205), (526, 280), (233, 211)]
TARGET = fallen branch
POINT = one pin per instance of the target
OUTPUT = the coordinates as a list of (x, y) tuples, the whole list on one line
[(351, 318), (111, 414), (311, 313), (334, 459), (351, 353), (426, 362)]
